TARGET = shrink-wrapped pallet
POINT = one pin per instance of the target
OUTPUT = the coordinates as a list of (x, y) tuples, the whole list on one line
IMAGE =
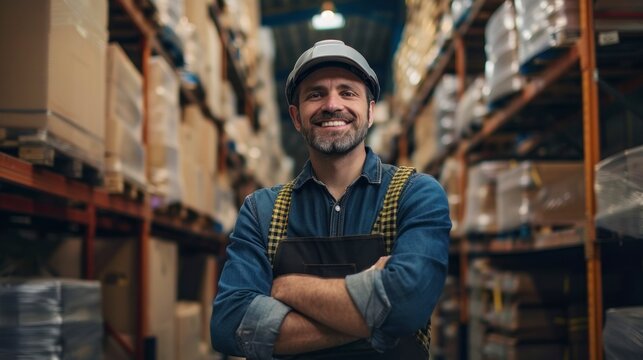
[(544, 25), (619, 193), (503, 347), (169, 12), (53, 75), (471, 109), (124, 150), (50, 319), (623, 333), (501, 47), (541, 194), (460, 10), (445, 99), (481, 213), (163, 130)]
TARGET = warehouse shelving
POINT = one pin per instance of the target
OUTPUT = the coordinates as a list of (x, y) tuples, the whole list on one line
[(43, 194), (235, 74), (576, 66)]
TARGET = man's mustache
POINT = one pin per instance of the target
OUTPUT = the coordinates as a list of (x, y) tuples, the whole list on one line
[(332, 115)]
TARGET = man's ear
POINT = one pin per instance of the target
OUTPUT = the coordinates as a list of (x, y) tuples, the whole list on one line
[(371, 108), (294, 116)]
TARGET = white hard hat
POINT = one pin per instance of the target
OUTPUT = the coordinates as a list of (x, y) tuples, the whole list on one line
[(328, 53)]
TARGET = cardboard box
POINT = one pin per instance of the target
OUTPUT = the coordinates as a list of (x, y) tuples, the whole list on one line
[(53, 72), (188, 328), (124, 150), (162, 296)]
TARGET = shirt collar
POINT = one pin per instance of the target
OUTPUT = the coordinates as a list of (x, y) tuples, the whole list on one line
[(372, 171)]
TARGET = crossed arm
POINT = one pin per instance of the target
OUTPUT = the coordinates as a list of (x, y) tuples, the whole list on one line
[(324, 314)]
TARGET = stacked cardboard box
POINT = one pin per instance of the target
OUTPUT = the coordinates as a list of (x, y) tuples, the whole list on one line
[(445, 322), (188, 326), (539, 193), (53, 75), (209, 71), (163, 131), (422, 40), (124, 150), (199, 144), (118, 272)]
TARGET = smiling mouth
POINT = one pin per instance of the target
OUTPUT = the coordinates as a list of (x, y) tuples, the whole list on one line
[(332, 123)]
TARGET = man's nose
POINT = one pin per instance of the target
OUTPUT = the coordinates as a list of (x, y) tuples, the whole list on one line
[(333, 102)]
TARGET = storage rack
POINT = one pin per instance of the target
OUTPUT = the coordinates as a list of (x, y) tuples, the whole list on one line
[(42, 194), (577, 65)]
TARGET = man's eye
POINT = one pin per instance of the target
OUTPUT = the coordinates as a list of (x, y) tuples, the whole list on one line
[(348, 93), (313, 95)]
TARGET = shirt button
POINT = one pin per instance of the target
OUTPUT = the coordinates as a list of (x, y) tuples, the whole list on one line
[(337, 208)]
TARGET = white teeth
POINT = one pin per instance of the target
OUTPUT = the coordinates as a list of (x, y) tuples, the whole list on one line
[(333, 123)]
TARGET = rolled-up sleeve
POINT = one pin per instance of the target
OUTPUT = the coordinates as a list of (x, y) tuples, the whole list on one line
[(245, 319), (399, 299), (260, 325), (368, 294)]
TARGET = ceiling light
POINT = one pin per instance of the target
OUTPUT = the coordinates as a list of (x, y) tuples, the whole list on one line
[(328, 19)]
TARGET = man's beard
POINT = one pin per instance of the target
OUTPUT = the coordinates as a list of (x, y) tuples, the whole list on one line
[(339, 145)]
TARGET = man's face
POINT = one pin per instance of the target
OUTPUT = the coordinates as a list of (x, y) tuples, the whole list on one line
[(334, 113)]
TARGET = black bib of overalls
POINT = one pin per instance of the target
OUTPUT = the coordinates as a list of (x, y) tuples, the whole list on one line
[(337, 257)]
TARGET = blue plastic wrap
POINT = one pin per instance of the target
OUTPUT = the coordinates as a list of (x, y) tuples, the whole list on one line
[(623, 333), (50, 319)]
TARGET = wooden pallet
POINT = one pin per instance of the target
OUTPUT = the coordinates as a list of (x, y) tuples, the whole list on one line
[(117, 183), (41, 153)]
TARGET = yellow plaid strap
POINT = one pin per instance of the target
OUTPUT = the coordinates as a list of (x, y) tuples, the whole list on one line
[(386, 222), (279, 220)]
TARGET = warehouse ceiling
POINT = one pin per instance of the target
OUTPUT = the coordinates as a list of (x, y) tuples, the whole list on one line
[(373, 27)]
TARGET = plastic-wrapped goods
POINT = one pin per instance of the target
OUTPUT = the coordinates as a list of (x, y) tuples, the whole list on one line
[(170, 12), (163, 130), (53, 75), (537, 287), (445, 102), (450, 180), (425, 135), (541, 194), (50, 319), (192, 51), (540, 323), (619, 193), (164, 107), (471, 109), (623, 333), (417, 51), (502, 347), (501, 47), (545, 24), (124, 150), (460, 10), (480, 213)]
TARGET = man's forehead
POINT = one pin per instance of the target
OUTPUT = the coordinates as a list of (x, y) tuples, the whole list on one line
[(332, 73)]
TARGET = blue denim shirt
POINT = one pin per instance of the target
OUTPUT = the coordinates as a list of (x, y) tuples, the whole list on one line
[(395, 301)]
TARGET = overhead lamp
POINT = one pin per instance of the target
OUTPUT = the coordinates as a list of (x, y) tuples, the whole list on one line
[(328, 19)]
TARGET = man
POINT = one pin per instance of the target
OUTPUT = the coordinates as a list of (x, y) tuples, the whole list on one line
[(324, 267)]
